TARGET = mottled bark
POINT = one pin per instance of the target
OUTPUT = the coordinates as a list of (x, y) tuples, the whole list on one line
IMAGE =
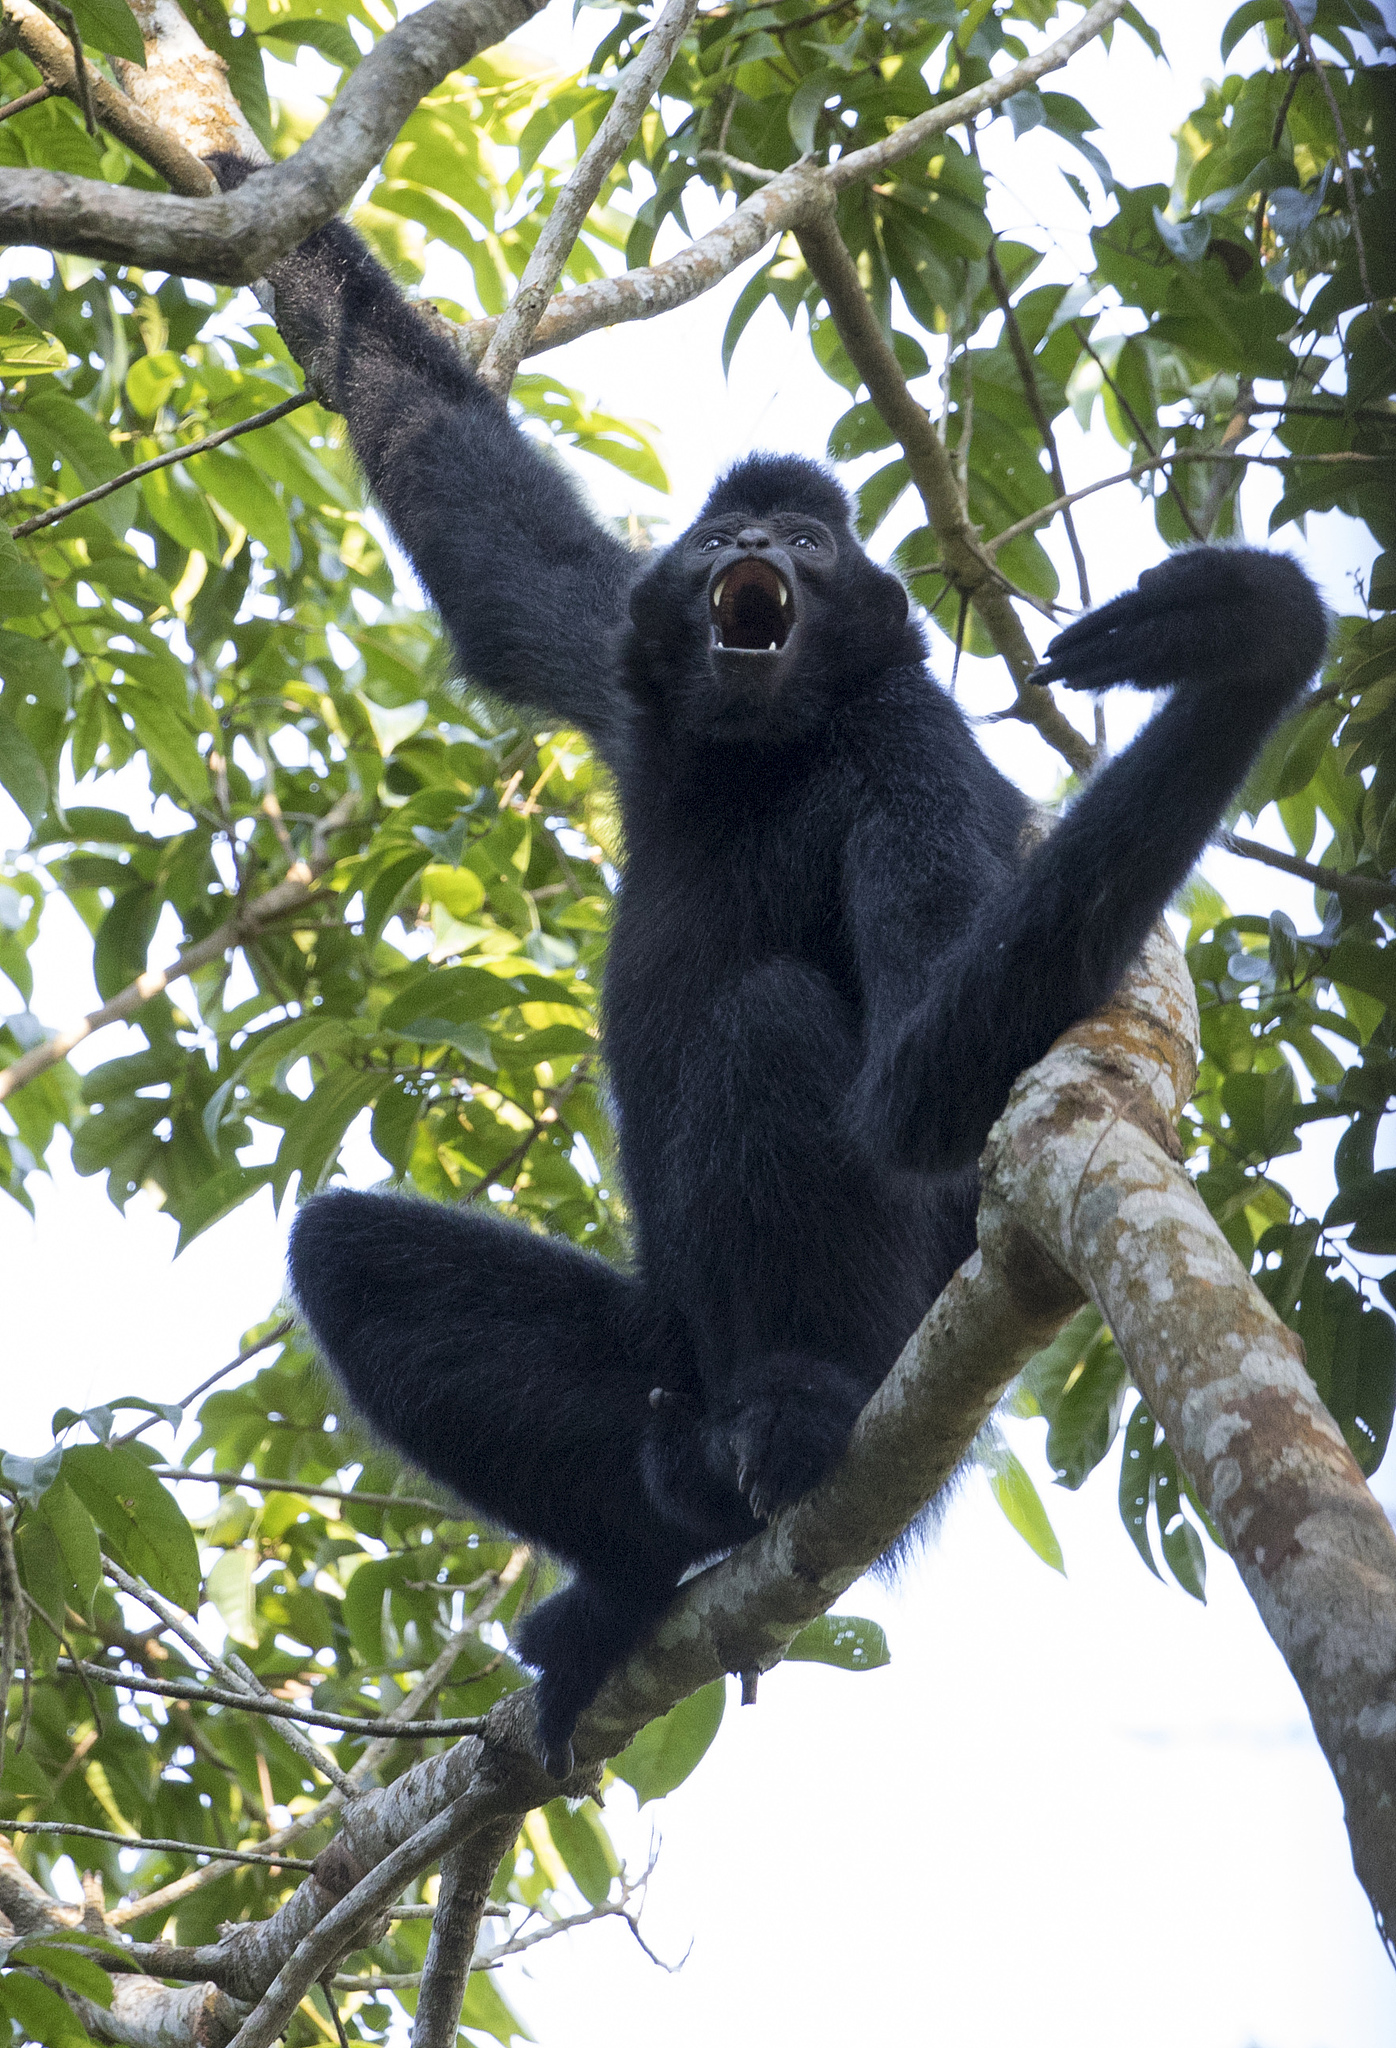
[(1100, 1193)]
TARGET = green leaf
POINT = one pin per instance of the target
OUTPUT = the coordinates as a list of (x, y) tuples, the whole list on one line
[(138, 1517), (31, 1477), (168, 741), (584, 1846), (22, 589), (667, 1750), (151, 380), (76, 1539), (22, 771), (229, 1586), (25, 349), (110, 26), (330, 38), (846, 1641), (1136, 1481), (1178, 1539), (78, 1972), (41, 2014), (1021, 1503)]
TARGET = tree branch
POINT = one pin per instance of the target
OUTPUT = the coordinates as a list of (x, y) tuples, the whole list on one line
[(368, 1500), (375, 1753), (183, 86), (639, 83), (242, 1682), (269, 1704), (963, 558), (1362, 891), (1105, 1198), (1156, 462), (23, 26), (1022, 356), (466, 1876), (70, 1827), (233, 237), (127, 476), (282, 900)]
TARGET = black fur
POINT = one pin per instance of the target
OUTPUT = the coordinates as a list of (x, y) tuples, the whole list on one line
[(830, 961)]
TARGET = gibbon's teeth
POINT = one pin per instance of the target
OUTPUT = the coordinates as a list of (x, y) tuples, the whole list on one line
[(717, 594), (784, 595), (772, 648)]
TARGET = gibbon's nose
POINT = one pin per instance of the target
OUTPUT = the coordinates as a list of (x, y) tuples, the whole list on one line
[(753, 537)]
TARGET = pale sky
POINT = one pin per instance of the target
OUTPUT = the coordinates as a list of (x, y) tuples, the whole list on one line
[(1076, 1813)]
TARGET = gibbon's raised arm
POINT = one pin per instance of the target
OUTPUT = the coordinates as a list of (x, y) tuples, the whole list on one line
[(1237, 633), (531, 589)]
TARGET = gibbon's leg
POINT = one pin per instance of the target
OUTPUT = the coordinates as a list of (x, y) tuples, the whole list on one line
[(761, 1198), (1237, 633), (517, 1371)]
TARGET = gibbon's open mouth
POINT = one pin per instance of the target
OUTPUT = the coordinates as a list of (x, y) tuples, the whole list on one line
[(751, 608)]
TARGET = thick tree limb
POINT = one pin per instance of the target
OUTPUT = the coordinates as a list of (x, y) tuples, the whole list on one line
[(1073, 1169), (466, 1876), (233, 237), (183, 86), (640, 82), (1082, 1190)]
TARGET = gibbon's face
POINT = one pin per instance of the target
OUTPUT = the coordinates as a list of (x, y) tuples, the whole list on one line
[(753, 627)]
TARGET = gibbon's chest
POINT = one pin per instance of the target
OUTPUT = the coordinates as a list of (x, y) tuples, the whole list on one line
[(705, 896)]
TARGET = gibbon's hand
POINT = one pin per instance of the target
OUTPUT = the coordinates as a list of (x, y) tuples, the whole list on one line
[(1237, 619)]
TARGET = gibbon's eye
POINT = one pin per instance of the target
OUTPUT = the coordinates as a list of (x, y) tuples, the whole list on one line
[(803, 540), (706, 547)]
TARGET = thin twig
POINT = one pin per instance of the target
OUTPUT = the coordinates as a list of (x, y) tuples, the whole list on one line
[(236, 1676), (963, 556), (373, 1754), (1301, 32), (368, 1500), (284, 899), (638, 84), (26, 99), (1362, 891), (12, 1630), (67, 21), (127, 476), (273, 1336), (70, 1827), (1156, 462), (1022, 356), (1138, 425), (277, 1709)]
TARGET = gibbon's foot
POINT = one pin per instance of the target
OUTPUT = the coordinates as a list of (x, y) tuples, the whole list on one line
[(781, 1443), (573, 1639), (1229, 618)]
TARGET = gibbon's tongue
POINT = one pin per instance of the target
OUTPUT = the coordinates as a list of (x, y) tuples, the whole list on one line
[(751, 606)]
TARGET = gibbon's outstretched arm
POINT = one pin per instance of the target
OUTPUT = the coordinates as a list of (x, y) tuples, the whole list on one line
[(531, 589), (1237, 633)]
